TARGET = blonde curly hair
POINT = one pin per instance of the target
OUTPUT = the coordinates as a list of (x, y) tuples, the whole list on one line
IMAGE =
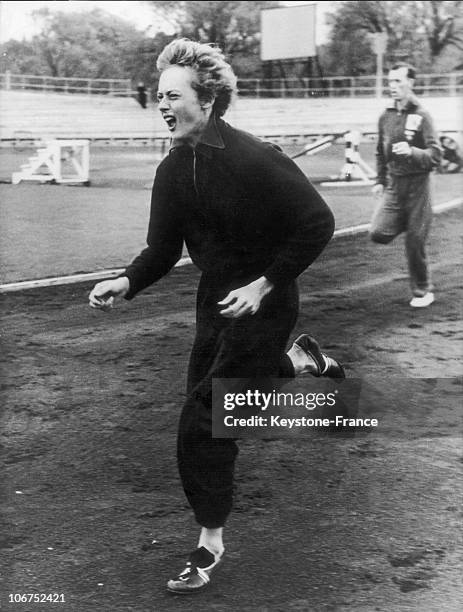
[(215, 80)]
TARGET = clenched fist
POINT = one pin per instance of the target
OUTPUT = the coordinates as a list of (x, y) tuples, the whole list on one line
[(103, 294)]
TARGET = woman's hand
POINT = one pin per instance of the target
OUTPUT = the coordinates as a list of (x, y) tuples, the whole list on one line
[(245, 300), (103, 294)]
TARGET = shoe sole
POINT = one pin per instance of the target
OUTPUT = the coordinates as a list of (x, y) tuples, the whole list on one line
[(189, 591), (422, 305), (309, 345)]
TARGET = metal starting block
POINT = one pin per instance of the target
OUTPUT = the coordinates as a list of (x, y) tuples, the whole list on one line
[(59, 161)]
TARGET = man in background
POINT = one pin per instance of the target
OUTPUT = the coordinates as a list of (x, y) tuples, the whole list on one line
[(407, 152), (141, 94)]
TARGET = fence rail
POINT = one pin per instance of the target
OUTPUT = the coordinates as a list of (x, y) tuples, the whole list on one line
[(111, 87), (450, 84)]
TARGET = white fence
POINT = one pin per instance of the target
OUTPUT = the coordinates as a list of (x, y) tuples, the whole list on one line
[(450, 84), (111, 87)]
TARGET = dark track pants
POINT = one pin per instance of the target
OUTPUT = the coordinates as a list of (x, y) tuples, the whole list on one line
[(253, 345), (406, 207)]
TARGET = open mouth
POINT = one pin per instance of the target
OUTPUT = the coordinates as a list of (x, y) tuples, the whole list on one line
[(171, 122)]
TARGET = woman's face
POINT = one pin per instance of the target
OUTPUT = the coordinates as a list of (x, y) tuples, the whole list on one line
[(185, 115)]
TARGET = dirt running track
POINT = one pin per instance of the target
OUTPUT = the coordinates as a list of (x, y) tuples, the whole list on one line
[(371, 522)]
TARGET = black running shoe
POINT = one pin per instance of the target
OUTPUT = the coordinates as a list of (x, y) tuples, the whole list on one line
[(197, 574), (310, 346)]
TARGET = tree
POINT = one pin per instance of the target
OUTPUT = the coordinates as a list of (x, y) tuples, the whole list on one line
[(91, 44), (421, 32), (233, 25), (20, 57), (442, 23)]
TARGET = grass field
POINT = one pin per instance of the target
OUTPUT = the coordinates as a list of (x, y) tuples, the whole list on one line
[(51, 230)]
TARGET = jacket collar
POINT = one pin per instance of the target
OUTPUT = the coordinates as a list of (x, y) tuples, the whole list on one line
[(410, 106), (211, 137)]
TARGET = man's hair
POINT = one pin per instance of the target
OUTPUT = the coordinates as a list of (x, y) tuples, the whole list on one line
[(411, 70), (215, 79)]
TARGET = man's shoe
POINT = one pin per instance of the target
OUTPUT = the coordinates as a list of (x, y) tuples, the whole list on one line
[(310, 346), (422, 301), (197, 574)]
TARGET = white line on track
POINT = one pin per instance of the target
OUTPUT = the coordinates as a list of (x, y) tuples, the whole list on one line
[(111, 273)]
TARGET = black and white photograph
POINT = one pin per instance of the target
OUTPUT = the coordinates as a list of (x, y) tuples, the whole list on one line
[(231, 306)]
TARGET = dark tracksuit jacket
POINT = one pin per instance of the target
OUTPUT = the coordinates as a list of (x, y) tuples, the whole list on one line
[(407, 199), (244, 210), (414, 125)]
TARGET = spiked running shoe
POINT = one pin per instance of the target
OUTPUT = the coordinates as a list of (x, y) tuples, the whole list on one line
[(310, 346), (197, 574)]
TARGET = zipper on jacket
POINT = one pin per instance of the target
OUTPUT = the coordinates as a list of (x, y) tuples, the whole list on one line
[(194, 173)]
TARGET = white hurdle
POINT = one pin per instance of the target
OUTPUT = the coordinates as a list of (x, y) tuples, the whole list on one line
[(60, 161), (355, 171)]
